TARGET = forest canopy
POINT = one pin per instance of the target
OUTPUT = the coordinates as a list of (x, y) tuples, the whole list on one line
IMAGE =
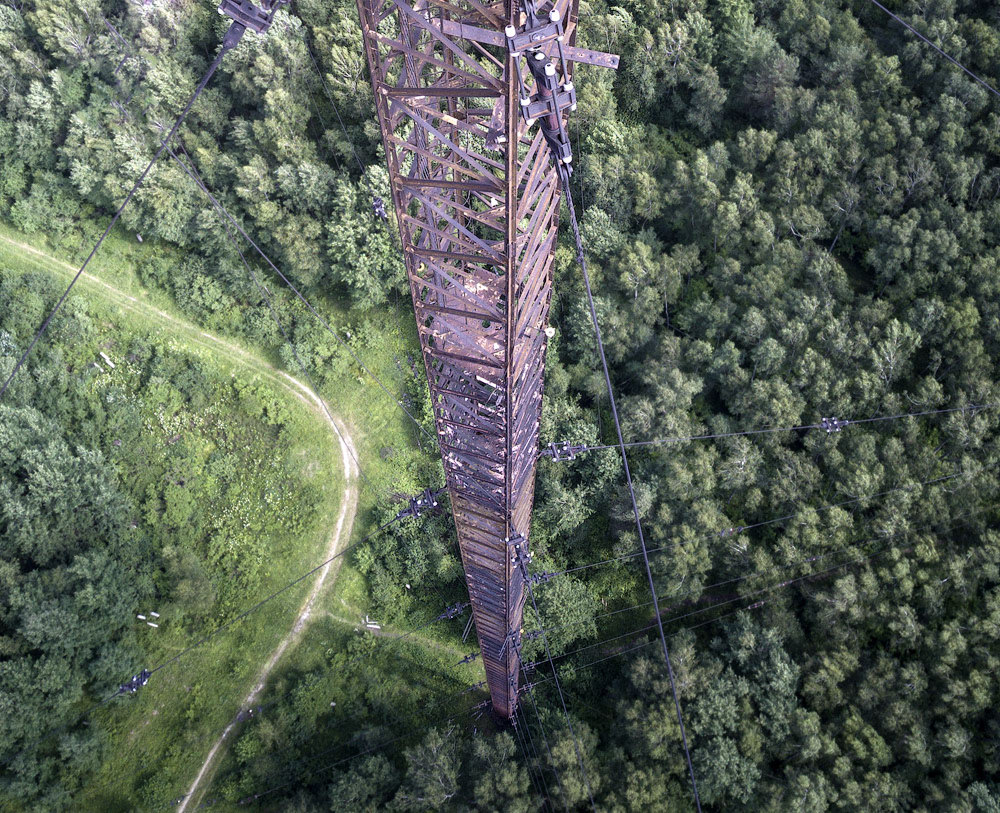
[(790, 210)]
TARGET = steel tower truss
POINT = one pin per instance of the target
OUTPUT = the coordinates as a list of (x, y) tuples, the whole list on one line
[(476, 193)]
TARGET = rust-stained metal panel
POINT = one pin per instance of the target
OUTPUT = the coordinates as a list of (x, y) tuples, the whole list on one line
[(477, 198)]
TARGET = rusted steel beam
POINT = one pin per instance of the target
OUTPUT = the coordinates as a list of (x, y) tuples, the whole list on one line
[(476, 93), (477, 197)]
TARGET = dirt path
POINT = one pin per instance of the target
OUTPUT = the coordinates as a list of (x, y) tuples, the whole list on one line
[(342, 531), (349, 499), (191, 331)]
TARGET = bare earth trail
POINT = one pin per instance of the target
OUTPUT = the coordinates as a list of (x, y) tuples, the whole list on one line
[(349, 500), (345, 522)]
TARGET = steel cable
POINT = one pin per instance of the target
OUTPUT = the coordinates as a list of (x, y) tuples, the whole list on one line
[(193, 173), (312, 310), (227, 45), (780, 429), (204, 639), (762, 591), (562, 698), (764, 523), (581, 260), (947, 56)]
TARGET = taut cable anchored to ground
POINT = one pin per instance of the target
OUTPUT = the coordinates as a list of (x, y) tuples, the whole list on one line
[(753, 606), (333, 104), (229, 42), (566, 450), (308, 772), (339, 721), (946, 55), (306, 302), (205, 638), (193, 173), (884, 549), (272, 596), (742, 528), (522, 744), (713, 585), (581, 259), (521, 557), (528, 687)]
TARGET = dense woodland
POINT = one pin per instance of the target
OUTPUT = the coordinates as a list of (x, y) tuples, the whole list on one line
[(791, 209)]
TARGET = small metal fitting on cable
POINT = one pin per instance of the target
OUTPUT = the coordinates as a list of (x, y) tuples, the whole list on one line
[(521, 558), (427, 500), (378, 207), (469, 658), (563, 450), (244, 13), (731, 531), (136, 683), (513, 639), (833, 424), (454, 611)]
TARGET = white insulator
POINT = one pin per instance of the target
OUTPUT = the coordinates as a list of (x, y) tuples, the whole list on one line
[(568, 86), (568, 159), (539, 56), (510, 31), (554, 15), (550, 70), (572, 108), (525, 101)]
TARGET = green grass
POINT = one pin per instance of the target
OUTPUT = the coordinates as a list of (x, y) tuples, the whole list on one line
[(387, 441), (152, 736), (379, 339), (159, 738)]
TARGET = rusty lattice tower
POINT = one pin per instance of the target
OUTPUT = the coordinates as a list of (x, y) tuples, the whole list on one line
[(458, 86)]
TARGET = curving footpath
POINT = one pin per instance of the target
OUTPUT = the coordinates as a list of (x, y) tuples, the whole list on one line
[(349, 501)]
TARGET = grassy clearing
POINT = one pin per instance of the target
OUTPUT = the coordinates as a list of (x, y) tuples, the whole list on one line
[(154, 737), (395, 455), (156, 747)]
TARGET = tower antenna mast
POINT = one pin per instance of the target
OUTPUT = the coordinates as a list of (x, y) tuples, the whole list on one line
[(460, 86)]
